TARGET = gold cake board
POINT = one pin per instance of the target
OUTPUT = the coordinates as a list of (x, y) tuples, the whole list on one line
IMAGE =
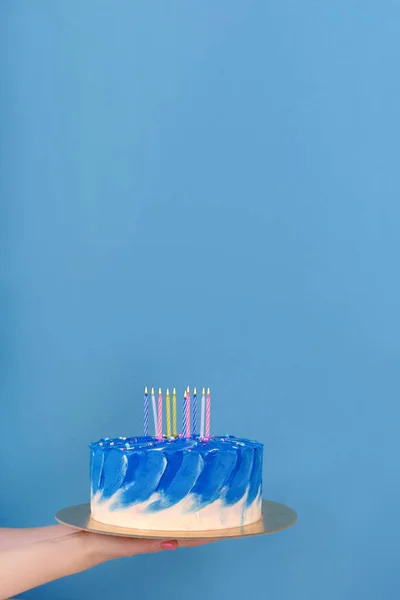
[(275, 518)]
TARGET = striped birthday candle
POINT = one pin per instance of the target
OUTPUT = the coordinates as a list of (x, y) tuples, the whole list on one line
[(153, 404), (146, 413), (194, 426), (174, 426), (184, 414), (208, 413), (203, 413), (168, 412), (188, 412), (159, 415)]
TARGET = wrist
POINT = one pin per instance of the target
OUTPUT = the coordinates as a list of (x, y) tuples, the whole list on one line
[(93, 547), (84, 547)]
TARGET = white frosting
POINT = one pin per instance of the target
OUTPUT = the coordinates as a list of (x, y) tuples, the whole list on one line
[(178, 517)]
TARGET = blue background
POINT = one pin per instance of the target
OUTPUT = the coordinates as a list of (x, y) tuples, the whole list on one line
[(207, 193)]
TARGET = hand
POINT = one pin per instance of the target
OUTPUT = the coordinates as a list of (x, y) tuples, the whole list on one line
[(63, 551)]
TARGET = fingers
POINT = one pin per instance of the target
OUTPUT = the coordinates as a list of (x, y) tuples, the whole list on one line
[(169, 545), (146, 546), (108, 547)]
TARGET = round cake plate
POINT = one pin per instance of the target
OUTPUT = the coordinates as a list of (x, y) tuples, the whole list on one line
[(275, 518)]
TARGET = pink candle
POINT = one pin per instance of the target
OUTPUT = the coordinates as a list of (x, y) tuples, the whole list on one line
[(187, 412), (208, 413), (159, 422), (203, 414)]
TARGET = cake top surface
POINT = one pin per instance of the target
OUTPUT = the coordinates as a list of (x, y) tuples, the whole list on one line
[(173, 443)]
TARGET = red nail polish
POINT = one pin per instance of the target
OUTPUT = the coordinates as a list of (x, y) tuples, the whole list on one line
[(168, 546)]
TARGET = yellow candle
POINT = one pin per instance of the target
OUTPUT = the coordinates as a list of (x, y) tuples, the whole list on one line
[(168, 407), (174, 412)]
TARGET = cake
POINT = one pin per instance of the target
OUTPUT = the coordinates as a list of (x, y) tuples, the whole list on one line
[(176, 483)]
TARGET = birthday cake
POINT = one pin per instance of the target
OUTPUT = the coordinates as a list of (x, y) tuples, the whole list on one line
[(181, 482)]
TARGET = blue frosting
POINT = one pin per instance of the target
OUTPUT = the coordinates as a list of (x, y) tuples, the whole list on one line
[(183, 482), (136, 468), (241, 476), (113, 473), (215, 476)]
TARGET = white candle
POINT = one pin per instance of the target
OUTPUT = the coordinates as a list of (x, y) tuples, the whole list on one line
[(153, 402)]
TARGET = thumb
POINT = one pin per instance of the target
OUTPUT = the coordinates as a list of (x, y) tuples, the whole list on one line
[(144, 546)]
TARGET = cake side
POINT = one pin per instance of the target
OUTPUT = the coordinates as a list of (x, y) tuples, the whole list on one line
[(182, 484)]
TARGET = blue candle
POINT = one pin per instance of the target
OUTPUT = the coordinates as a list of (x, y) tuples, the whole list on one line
[(146, 412)]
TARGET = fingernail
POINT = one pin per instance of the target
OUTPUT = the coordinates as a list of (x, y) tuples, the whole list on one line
[(169, 545)]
